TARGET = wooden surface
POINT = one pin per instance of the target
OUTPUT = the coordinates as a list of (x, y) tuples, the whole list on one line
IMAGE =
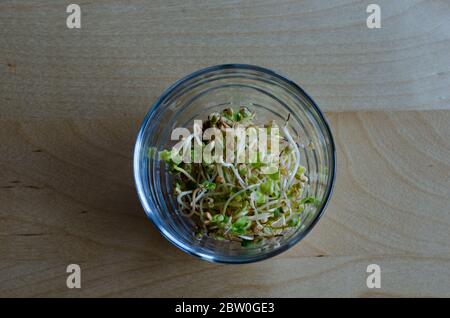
[(71, 102)]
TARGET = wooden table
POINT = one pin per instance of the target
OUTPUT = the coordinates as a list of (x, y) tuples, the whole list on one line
[(71, 102)]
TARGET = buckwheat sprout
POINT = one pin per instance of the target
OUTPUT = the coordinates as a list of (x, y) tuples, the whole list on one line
[(253, 205), (289, 207), (185, 173), (239, 201), (236, 173), (194, 201), (210, 179), (180, 197), (265, 206), (297, 156), (236, 194), (202, 174), (288, 167)]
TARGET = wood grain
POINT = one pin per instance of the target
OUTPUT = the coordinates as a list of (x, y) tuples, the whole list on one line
[(71, 102), (127, 52), (67, 196)]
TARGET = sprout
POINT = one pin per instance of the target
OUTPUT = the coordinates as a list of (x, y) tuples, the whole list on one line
[(165, 155), (275, 176), (208, 185), (238, 202), (259, 197), (247, 243), (294, 221), (308, 200), (239, 227), (276, 213), (214, 119), (268, 187), (245, 112), (228, 112)]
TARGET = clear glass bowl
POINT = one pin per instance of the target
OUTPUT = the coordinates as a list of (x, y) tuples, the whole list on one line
[(272, 96)]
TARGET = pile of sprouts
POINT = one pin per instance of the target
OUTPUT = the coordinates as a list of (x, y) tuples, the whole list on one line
[(242, 201)]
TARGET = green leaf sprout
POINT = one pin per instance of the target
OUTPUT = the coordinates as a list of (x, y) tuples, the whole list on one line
[(238, 202)]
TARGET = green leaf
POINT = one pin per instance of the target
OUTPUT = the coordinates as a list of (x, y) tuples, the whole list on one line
[(260, 198), (300, 170), (235, 204), (198, 234), (177, 188), (242, 171), (275, 176), (245, 112), (220, 219), (268, 187), (238, 198), (218, 237), (165, 155), (217, 218), (246, 243), (300, 209), (257, 165), (277, 213), (228, 113), (294, 221), (241, 222), (239, 226), (214, 118), (308, 200), (237, 117), (237, 230), (209, 185)]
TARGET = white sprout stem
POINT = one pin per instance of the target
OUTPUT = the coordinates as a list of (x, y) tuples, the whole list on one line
[(252, 203), (297, 155), (249, 172), (288, 166), (260, 216), (213, 177), (228, 226), (203, 173), (266, 205), (194, 200), (229, 184), (236, 194), (227, 178), (236, 173), (208, 177), (242, 213), (180, 197), (201, 207), (185, 173), (291, 214), (199, 197)]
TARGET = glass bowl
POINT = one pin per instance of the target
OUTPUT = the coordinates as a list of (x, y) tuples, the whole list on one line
[(271, 96)]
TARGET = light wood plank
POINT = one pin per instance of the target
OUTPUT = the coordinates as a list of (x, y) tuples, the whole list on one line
[(402, 276), (127, 52), (67, 196)]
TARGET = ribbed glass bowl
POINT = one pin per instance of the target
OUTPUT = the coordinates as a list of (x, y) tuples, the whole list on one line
[(272, 96)]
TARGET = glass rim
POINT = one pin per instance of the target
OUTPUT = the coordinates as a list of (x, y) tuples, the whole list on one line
[(139, 184)]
